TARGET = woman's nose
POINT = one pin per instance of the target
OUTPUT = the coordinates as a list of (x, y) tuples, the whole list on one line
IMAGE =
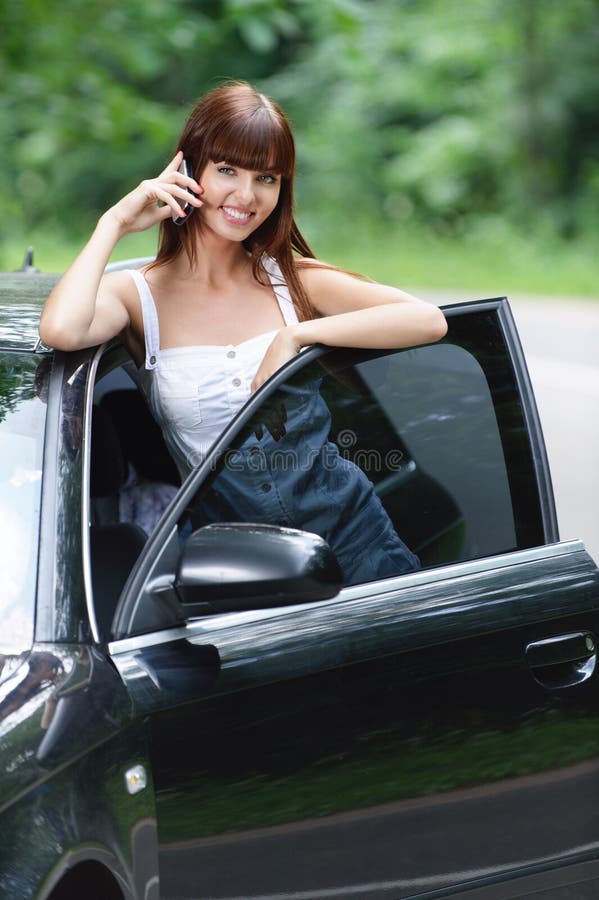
[(244, 190)]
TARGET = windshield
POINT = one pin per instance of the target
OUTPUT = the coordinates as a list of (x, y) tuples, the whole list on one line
[(22, 418)]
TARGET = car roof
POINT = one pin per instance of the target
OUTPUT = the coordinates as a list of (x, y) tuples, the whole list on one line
[(22, 295)]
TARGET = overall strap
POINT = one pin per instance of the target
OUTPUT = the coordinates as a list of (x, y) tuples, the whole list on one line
[(280, 289), (150, 318)]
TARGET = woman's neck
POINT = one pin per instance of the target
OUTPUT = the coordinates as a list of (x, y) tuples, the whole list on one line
[(217, 261)]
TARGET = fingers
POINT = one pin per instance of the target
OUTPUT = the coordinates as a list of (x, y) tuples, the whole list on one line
[(173, 165), (167, 198), (186, 195), (182, 188), (171, 194), (142, 207), (172, 173)]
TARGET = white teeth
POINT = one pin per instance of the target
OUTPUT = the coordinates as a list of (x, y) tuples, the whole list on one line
[(235, 213)]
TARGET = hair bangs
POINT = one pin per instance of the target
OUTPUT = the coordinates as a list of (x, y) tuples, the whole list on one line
[(256, 142)]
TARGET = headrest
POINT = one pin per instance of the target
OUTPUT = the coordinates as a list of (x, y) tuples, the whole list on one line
[(140, 436), (108, 466)]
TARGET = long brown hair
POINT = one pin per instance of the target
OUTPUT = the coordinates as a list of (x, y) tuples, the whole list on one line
[(236, 124)]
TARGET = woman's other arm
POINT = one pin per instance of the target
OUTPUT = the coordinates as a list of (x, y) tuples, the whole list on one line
[(354, 313)]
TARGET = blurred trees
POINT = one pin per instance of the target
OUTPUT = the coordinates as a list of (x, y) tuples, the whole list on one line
[(405, 110), (445, 110)]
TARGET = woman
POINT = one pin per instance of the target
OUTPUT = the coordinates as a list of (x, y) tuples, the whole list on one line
[(235, 291)]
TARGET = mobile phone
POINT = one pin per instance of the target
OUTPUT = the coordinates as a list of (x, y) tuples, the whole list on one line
[(185, 169)]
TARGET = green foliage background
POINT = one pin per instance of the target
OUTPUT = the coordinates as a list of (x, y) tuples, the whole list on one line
[(439, 140)]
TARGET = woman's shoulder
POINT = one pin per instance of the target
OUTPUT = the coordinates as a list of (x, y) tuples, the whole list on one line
[(120, 281), (314, 272), (126, 284), (119, 287), (306, 261), (309, 266)]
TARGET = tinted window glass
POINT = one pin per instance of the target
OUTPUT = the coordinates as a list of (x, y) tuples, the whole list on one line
[(435, 433), (22, 417)]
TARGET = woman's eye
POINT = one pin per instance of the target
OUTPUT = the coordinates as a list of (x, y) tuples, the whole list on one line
[(226, 170), (268, 179)]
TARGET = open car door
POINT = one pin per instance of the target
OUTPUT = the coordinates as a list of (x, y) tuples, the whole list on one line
[(425, 734)]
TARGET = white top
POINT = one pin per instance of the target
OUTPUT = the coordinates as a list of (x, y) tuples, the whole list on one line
[(194, 391)]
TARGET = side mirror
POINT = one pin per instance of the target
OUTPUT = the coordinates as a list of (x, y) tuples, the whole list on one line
[(231, 567)]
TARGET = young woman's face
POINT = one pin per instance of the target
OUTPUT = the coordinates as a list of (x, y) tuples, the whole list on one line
[(237, 201)]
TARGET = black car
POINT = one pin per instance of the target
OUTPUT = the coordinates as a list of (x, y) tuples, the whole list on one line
[(194, 706)]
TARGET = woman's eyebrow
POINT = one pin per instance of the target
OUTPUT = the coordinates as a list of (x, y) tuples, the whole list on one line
[(265, 170)]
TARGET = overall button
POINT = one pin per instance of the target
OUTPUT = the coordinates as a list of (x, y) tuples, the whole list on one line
[(266, 487), (231, 354), (152, 360), (236, 382)]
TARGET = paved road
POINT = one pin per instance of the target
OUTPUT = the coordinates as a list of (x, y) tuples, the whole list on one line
[(561, 343)]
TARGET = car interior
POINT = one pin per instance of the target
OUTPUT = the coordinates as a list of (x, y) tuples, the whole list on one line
[(128, 457)]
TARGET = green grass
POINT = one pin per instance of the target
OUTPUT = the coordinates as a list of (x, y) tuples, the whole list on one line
[(491, 259), (54, 250)]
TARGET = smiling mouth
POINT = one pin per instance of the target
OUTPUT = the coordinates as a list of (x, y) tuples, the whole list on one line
[(236, 214)]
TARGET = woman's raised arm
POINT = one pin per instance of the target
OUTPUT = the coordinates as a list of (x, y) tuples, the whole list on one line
[(85, 307)]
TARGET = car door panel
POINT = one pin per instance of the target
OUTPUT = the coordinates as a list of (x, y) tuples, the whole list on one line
[(465, 600), (348, 710), (396, 741)]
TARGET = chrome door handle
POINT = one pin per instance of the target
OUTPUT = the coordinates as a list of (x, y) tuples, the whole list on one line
[(564, 660)]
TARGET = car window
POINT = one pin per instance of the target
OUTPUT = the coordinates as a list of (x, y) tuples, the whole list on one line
[(133, 477), (132, 481), (22, 420), (437, 431)]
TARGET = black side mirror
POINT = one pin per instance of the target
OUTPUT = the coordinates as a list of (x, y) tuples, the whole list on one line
[(239, 566)]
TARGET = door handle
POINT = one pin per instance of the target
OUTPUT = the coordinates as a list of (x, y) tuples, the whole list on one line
[(564, 660)]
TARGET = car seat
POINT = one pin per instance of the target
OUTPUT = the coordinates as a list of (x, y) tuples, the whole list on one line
[(114, 545)]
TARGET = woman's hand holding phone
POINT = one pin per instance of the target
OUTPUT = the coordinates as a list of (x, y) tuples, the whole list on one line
[(175, 189)]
